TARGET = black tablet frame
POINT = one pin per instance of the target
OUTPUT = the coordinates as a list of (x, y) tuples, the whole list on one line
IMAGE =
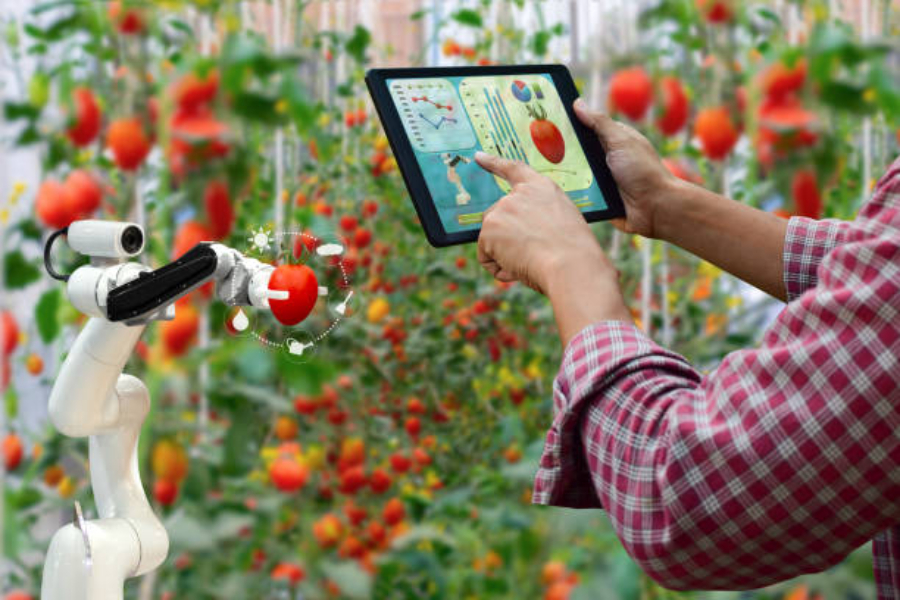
[(376, 80)]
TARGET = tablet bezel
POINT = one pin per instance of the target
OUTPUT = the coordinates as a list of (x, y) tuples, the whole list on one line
[(376, 80)]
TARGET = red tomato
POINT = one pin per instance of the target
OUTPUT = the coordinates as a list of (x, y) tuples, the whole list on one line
[(12, 451), (165, 491), (18, 595), (780, 80), (180, 332), (675, 106), (85, 194), (287, 474), (631, 92), (352, 480), (376, 532), (351, 547), (715, 11), (193, 92), (328, 530), (303, 289), (86, 122), (806, 195), (128, 22), (305, 405), (394, 511), (546, 136), (362, 237), (400, 463), (53, 205), (370, 207), (10, 334), (380, 481), (413, 426), (189, 235), (128, 142), (716, 132), (219, 212), (289, 572), (415, 406), (348, 223)]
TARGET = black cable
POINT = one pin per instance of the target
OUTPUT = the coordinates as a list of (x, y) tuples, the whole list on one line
[(48, 246)]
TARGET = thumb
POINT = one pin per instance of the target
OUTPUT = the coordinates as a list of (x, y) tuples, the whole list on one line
[(604, 126)]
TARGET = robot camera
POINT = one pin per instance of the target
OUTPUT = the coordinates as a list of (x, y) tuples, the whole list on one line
[(106, 239)]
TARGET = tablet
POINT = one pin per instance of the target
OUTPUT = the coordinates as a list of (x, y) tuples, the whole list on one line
[(437, 118)]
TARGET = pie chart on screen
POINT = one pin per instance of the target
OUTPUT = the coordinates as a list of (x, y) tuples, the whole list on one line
[(521, 91)]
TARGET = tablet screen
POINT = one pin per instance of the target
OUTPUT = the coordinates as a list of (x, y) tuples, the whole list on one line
[(521, 117)]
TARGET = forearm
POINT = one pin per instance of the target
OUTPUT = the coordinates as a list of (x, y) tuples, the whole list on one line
[(583, 293), (746, 242)]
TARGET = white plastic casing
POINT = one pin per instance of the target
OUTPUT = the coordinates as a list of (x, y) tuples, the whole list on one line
[(102, 239)]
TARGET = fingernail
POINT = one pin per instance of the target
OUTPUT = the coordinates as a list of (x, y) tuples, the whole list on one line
[(482, 156), (579, 103)]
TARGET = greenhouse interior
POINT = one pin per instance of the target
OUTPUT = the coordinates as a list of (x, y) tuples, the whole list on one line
[(261, 338)]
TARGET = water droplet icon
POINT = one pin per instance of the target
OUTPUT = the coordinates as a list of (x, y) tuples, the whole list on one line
[(240, 322)]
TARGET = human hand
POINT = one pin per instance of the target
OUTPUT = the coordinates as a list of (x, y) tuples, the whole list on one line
[(537, 235), (534, 230), (642, 178)]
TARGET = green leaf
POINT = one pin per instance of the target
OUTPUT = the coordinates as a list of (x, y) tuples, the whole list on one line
[(29, 229), (11, 402), (539, 42), (57, 30), (419, 14), (46, 315), (19, 271), (467, 16), (20, 110), (358, 42), (257, 107)]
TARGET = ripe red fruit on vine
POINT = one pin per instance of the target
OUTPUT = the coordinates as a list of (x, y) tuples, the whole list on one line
[(180, 332), (289, 572), (780, 80), (362, 237), (86, 120), (165, 491), (128, 22), (805, 192), (376, 533), (716, 132), (129, 143), (415, 406), (287, 474), (12, 451), (328, 530), (421, 457), (379, 481), (193, 91), (189, 235), (85, 194), (715, 11), (53, 205), (413, 426), (352, 480), (675, 106), (303, 289), (219, 212), (18, 595), (305, 405), (400, 463), (394, 511), (10, 334), (631, 92), (546, 135), (369, 208), (348, 223)]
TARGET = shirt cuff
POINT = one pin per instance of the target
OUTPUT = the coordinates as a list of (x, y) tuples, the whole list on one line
[(591, 360), (806, 244)]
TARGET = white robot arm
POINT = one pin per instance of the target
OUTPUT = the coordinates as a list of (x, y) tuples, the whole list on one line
[(90, 560)]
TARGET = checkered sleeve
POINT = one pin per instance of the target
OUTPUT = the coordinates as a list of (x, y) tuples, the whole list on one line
[(777, 463), (806, 243)]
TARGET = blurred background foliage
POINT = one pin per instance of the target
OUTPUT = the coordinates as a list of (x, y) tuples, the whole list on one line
[(397, 461)]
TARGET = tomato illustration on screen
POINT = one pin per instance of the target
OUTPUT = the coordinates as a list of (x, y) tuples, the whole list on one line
[(546, 136)]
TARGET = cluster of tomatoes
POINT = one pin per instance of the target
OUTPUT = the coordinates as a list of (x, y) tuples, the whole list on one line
[(451, 47), (169, 462)]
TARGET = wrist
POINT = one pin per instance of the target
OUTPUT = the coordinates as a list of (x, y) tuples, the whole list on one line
[(671, 209)]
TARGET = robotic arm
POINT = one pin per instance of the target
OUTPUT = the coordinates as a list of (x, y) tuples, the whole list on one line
[(90, 560)]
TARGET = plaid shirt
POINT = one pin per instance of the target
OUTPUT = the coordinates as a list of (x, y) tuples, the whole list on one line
[(779, 462)]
